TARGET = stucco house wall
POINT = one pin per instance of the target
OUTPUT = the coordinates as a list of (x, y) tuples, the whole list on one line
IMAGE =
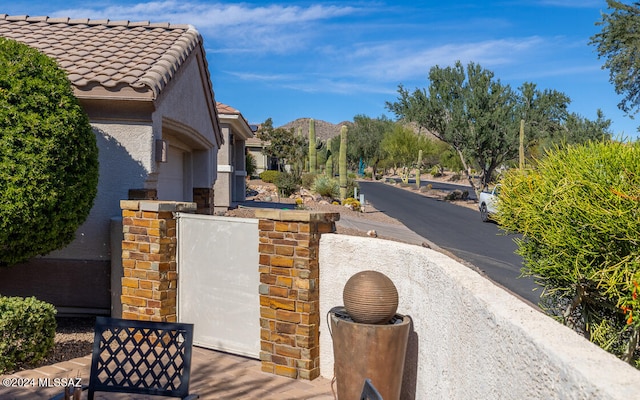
[(254, 147), (125, 161), (230, 187), (147, 91)]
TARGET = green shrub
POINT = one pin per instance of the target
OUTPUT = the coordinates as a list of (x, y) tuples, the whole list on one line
[(27, 330), (269, 176), (326, 186), (250, 165), (307, 180), (287, 184), (579, 215), (435, 171), (48, 156)]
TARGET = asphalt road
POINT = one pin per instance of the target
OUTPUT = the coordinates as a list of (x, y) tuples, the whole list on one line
[(457, 230)]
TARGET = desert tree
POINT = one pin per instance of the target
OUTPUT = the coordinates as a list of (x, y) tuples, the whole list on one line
[(284, 145), (477, 115), (365, 140), (618, 44)]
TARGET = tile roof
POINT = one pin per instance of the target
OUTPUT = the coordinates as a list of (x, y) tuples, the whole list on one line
[(116, 57), (226, 110)]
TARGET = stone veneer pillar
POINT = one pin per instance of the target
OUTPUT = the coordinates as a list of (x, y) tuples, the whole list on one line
[(204, 199), (289, 290), (149, 284)]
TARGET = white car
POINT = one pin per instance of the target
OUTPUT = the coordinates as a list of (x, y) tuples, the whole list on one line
[(487, 203)]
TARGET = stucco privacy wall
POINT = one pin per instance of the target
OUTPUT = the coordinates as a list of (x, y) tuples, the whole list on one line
[(470, 339), (125, 162)]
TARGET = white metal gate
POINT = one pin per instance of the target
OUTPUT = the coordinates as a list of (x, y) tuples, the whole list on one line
[(218, 282)]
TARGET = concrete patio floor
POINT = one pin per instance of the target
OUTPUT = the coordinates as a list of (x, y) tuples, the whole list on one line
[(214, 375)]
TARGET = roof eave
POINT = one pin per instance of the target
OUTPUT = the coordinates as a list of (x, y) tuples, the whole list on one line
[(209, 93), (238, 123)]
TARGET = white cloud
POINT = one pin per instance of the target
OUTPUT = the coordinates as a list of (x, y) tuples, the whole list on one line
[(232, 27), (247, 76), (572, 3), (367, 56), (396, 62), (380, 67)]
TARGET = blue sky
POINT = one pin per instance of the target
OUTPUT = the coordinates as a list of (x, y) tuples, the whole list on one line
[(333, 60)]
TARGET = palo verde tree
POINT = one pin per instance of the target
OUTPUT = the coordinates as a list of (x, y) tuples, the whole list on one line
[(476, 114), (543, 114), (579, 215), (618, 44), (579, 130), (48, 156), (365, 139), (402, 146)]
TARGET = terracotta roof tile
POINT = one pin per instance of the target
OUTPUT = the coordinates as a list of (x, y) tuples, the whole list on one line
[(107, 54), (226, 109)]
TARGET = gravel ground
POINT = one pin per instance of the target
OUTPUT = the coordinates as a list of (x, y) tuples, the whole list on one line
[(74, 335)]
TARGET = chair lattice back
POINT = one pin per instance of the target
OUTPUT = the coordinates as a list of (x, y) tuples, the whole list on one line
[(369, 392), (141, 357)]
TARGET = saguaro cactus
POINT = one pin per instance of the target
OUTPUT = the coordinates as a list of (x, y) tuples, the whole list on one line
[(312, 146), (418, 169), (329, 165), (342, 162)]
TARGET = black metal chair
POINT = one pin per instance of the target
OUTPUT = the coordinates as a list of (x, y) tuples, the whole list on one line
[(141, 357), (369, 392)]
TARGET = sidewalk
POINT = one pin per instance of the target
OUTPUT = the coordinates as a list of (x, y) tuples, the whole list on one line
[(384, 230), (214, 375)]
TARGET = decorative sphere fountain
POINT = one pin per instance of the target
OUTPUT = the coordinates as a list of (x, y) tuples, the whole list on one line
[(370, 297), (369, 338)]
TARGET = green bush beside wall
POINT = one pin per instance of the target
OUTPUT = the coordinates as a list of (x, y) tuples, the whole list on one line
[(27, 331)]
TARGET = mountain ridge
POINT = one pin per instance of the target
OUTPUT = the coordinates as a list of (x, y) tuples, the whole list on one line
[(327, 130), (324, 130)]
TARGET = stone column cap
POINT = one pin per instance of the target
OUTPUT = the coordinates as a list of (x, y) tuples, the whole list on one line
[(158, 205), (296, 215)]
